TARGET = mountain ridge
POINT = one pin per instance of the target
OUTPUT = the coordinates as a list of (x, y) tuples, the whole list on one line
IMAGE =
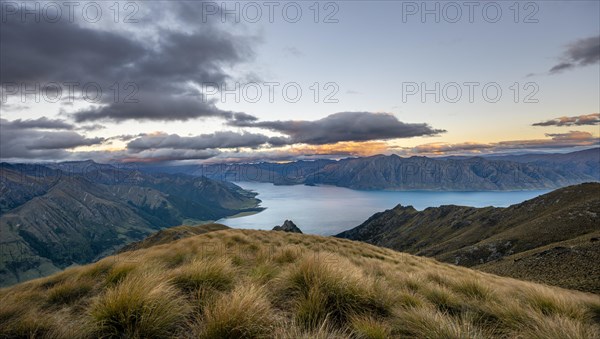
[(471, 236), (392, 172)]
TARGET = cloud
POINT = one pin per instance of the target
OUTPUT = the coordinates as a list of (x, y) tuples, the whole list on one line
[(303, 152), (344, 126), (223, 139), (161, 74), (42, 123), (23, 142), (161, 155), (572, 136), (581, 120), (554, 140), (93, 127), (580, 53)]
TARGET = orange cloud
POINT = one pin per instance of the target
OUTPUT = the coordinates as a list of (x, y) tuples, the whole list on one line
[(352, 148)]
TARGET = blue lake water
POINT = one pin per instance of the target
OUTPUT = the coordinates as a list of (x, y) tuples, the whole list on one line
[(328, 210)]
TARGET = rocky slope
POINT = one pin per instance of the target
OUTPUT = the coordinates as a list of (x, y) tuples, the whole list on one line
[(53, 217), (554, 230)]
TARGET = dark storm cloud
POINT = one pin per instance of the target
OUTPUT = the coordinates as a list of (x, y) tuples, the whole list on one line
[(161, 155), (57, 52), (344, 126), (153, 107), (22, 142), (582, 120), (42, 123), (163, 73), (580, 53), (204, 141)]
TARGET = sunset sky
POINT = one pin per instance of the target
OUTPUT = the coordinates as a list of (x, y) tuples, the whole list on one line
[(366, 64)]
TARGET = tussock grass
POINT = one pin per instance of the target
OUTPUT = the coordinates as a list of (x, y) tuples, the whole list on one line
[(205, 274), (243, 313), (559, 327), (427, 322), (69, 291), (367, 327), (473, 288), (119, 272), (336, 292), (545, 301), (141, 306), (261, 284)]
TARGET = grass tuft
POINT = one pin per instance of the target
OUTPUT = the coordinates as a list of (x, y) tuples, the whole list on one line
[(141, 306), (215, 274), (333, 291), (245, 312)]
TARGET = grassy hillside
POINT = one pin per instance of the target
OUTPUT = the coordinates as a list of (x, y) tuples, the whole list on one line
[(171, 234), (51, 218), (546, 239), (261, 284)]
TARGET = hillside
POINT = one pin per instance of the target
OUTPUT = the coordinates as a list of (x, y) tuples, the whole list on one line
[(547, 239), (416, 173), (171, 234), (586, 161), (263, 284), (51, 218)]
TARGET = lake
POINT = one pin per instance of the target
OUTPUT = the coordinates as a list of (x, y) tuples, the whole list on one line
[(328, 210)]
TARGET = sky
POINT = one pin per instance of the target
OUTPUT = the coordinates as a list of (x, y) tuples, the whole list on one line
[(205, 82)]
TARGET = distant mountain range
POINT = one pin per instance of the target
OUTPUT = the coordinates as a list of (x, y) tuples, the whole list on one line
[(52, 216), (553, 238), (517, 172)]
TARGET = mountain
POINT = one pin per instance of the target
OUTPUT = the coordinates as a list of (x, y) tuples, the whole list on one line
[(54, 216), (264, 284), (416, 173), (585, 162), (548, 239)]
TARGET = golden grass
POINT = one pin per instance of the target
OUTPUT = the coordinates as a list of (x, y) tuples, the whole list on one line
[(261, 284), (142, 306), (243, 313)]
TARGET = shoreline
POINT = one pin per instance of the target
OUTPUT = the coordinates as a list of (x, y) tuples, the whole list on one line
[(245, 213)]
